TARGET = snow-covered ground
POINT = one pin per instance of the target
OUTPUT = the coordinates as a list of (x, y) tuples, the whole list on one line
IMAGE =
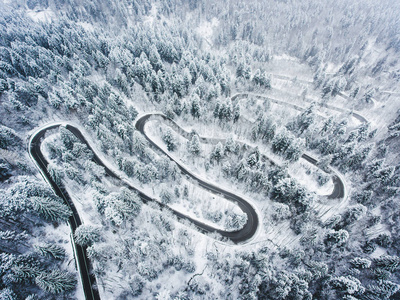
[(206, 202), (206, 30), (302, 171), (41, 15)]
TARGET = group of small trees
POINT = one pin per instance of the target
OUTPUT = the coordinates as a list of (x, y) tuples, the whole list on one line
[(169, 139), (28, 195), (8, 138), (27, 204), (235, 221), (225, 111), (288, 191), (285, 144)]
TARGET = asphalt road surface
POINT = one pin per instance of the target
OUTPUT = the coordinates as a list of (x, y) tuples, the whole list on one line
[(299, 108), (238, 236), (338, 186), (85, 268), (83, 262)]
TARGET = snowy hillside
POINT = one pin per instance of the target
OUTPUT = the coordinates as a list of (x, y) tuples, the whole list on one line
[(184, 149)]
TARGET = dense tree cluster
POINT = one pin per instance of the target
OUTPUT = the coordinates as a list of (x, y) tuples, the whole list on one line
[(69, 68)]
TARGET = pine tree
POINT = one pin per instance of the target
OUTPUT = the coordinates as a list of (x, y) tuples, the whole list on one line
[(383, 290), (375, 165), (306, 118), (337, 238), (176, 104), (225, 111), (138, 143), (281, 142), (195, 106), (387, 262), (384, 175), (187, 79), (247, 72), (56, 281), (294, 151), (169, 139), (52, 250), (166, 197), (8, 138), (24, 267), (86, 235), (194, 145), (347, 285), (56, 173), (113, 215), (257, 77), (50, 209), (277, 173), (252, 160), (217, 152), (234, 221), (67, 138), (384, 240), (226, 168), (241, 170), (360, 263), (240, 69), (217, 108), (155, 58), (231, 146)]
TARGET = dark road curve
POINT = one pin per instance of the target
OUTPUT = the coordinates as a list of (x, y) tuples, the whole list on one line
[(338, 186), (238, 236), (85, 268), (83, 262)]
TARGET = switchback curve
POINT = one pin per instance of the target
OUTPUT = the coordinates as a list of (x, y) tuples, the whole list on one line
[(238, 236), (84, 265), (338, 185)]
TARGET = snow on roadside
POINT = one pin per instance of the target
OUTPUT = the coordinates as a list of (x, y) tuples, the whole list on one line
[(305, 173), (211, 202), (272, 232)]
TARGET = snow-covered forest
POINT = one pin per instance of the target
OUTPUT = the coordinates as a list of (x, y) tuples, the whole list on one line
[(199, 149)]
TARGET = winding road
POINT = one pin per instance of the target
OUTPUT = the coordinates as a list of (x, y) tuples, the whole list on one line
[(339, 189), (85, 268), (299, 108), (247, 232), (338, 185)]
